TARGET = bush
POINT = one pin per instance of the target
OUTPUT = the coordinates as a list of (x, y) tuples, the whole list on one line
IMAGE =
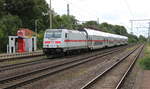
[(40, 40), (145, 63)]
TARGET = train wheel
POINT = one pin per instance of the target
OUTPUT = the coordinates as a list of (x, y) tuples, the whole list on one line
[(49, 56)]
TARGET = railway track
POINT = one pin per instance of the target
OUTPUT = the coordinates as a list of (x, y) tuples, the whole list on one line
[(28, 77), (19, 65), (119, 85), (110, 76)]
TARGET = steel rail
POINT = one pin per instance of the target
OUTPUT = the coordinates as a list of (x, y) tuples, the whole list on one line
[(66, 66), (18, 65), (108, 69), (128, 70)]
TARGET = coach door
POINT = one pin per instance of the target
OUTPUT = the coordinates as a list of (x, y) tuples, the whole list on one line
[(90, 41), (66, 39), (105, 42)]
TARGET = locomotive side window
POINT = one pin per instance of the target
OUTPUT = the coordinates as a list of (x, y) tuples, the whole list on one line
[(66, 35)]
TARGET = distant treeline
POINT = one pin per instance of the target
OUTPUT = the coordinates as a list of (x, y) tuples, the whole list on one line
[(15, 14)]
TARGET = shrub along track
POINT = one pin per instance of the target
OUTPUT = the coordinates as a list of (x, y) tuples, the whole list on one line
[(19, 79)]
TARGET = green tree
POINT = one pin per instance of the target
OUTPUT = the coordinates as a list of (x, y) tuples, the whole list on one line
[(68, 21), (2, 8), (90, 24), (132, 38), (57, 21), (8, 26), (121, 30), (64, 21), (107, 27), (142, 38), (28, 11), (40, 40)]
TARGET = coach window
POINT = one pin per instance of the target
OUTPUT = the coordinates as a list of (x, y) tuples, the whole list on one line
[(65, 35)]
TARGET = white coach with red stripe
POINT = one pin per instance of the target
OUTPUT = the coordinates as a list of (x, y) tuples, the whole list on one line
[(99, 39)]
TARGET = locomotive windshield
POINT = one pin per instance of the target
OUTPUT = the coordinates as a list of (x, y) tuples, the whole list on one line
[(53, 34)]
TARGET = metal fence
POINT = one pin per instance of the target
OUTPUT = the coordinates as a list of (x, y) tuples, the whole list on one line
[(3, 49)]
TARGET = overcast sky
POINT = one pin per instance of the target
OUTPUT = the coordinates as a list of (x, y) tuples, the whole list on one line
[(111, 11)]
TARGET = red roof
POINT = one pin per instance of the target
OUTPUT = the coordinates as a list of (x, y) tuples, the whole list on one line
[(23, 32)]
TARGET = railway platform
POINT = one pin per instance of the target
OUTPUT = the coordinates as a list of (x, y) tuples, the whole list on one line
[(5, 56)]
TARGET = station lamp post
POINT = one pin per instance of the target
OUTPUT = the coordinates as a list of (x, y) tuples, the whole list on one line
[(50, 14), (36, 26)]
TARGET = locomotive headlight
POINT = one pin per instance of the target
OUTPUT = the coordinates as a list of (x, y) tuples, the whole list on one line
[(57, 46)]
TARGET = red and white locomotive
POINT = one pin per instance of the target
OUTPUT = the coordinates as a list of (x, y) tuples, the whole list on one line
[(58, 41)]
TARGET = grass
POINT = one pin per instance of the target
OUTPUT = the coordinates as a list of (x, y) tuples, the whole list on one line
[(130, 48), (145, 61)]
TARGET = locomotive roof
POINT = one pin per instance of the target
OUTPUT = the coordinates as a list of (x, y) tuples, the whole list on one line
[(55, 29), (66, 30)]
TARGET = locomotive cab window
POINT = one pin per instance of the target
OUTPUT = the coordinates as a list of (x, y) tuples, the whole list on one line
[(53, 34)]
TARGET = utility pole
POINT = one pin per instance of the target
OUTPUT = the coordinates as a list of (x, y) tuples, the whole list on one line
[(143, 27), (140, 20), (149, 32), (131, 27), (36, 22), (97, 20), (68, 10), (50, 14)]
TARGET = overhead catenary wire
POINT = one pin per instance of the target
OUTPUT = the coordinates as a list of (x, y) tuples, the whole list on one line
[(129, 9), (88, 11), (131, 14)]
